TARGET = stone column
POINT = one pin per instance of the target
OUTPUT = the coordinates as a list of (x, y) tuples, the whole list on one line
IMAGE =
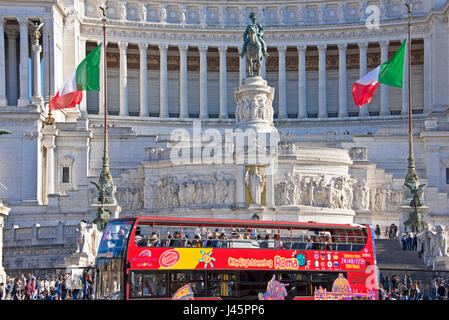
[(183, 88), (322, 104), (123, 79), (405, 106), (384, 90), (364, 112), (12, 66), (242, 67), (48, 141), (203, 81), (24, 99), (302, 82), (3, 101), (163, 113), (427, 74), (37, 96), (282, 83), (223, 83), (143, 75), (342, 86)]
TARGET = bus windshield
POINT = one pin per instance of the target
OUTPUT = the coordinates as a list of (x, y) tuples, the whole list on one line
[(113, 241), (110, 261)]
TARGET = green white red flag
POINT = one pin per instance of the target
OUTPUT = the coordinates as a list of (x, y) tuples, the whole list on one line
[(390, 73), (85, 77)]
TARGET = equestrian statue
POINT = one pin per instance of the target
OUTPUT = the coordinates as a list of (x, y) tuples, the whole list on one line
[(254, 47)]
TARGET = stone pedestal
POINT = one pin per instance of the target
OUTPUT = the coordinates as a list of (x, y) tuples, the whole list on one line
[(114, 211), (406, 212), (441, 264), (254, 105), (3, 213), (256, 141)]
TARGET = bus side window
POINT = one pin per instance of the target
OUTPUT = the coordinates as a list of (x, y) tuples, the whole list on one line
[(146, 236)]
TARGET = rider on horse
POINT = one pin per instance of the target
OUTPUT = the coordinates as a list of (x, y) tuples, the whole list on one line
[(259, 32)]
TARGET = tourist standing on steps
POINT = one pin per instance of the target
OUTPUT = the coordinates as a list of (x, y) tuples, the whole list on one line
[(377, 232), (415, 242), (404, 242)]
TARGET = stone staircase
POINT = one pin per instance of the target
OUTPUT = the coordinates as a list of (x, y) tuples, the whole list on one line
[(390, 255)]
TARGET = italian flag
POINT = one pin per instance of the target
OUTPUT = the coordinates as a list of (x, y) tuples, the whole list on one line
[(85, 77), (390, 73)]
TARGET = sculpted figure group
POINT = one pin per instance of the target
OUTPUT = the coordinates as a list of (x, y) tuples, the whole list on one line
[(339, 192), (254, 108), (88, 238), (433, 243), (175, 191), (319, 191)]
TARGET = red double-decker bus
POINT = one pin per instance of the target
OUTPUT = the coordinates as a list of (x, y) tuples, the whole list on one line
[(153, 257)]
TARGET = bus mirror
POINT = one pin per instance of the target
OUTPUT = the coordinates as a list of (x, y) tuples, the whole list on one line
[(130, 277)]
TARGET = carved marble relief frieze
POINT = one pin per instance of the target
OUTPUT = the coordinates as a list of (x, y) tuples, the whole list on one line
[(190, 190)]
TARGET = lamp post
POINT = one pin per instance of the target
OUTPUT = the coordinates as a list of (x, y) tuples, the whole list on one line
[(413, 190), (105, 186)]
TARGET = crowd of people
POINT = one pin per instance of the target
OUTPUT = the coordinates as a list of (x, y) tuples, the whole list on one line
[(391, 232), (60, 287), (404, 287), (409, 242)]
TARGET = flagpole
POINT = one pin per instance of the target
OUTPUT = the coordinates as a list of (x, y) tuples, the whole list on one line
[(410, 128), (49, 120), (412, 177), (105, 182)]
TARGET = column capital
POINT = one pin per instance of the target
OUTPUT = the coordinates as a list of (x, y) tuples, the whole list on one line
[(322, 47), (183, 47), (163, 46), (282, 49), (384, 43), (202, 48), (301, 47), (342, 46), (362, 44), (222, 49), (23, 21), (36, 47), (143, 46), (122, 45)]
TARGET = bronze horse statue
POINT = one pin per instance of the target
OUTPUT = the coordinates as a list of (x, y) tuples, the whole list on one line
[(253, 53)]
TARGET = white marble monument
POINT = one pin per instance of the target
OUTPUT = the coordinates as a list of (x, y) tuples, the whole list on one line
[(334, 162)]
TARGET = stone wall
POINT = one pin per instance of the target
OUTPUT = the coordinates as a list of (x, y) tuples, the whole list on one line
[(38, 246)]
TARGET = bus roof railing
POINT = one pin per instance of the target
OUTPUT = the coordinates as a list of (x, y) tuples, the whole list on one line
[(242, 223)]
